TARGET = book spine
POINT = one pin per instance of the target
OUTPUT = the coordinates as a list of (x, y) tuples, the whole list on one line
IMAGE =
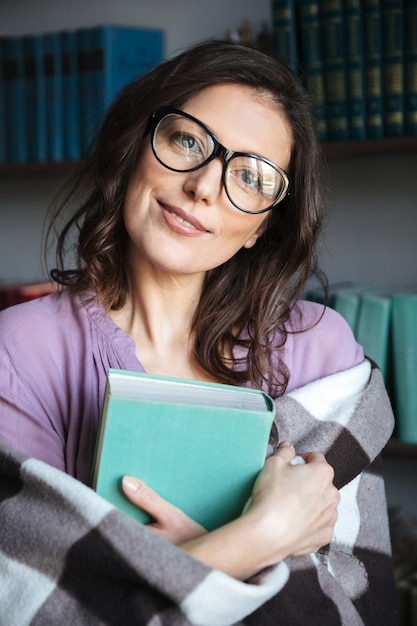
[(410, 66), (404, 318), (284, 33), (355, 68), (373, 69), (70, 95), (53, 87), (35, 95), (3, 119), (86, 98), (312, 62), (17, 148), (393, 81), (334, 59)]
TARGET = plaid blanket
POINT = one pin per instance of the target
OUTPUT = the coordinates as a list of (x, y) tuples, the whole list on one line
[(69, 557)]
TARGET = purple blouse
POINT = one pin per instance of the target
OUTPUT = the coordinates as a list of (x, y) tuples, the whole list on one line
[(55, 353)]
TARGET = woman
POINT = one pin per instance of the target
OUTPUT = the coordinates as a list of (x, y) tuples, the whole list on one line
[(195, 219)]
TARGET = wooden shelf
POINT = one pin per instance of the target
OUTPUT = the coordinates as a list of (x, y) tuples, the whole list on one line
[(399, 450), (370, 147), (332, 150)]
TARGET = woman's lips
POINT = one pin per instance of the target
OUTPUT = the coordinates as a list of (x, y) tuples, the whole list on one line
[(181, 222)]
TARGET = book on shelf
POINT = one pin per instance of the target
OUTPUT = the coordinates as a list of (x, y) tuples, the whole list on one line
[(392, 63), (199, 445), (404, 329), (54, 96), (70, 95), (110, 58), (347, 302), (14, 90), (310, 38), (410, 67), (284, 33), (373, 329), (355, 67), (35, 98), (373, 69), (3, 133), (334, 66)]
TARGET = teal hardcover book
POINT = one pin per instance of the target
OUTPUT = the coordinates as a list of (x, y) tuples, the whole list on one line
[(404, 320), (284, 32), (199, 445), (373, 329)]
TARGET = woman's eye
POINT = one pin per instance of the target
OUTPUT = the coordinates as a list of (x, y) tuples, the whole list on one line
[(186, 142), (249, 178)]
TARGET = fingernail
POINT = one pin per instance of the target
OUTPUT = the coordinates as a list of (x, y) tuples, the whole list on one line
[(130, 483), (285, 444)]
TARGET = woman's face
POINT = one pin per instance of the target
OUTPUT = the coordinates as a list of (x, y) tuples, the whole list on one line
[(183, 222)]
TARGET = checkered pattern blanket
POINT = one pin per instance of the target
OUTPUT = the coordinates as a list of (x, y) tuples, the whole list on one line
[(69, 557)]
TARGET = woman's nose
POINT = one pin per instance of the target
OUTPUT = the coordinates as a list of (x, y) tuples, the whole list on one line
[(205, 184)]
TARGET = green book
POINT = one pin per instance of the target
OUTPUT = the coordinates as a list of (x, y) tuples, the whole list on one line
[(199, 445), (373, 329), (355, 61), (373, 69), (404, 321), (410, 66), (347, 302), (284, 32), (393, 66)]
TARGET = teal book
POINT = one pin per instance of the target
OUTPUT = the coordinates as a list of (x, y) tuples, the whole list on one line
[(14, 94), (410, 67), (54, 95), (284, 33), (311, 59), (355, 63), (35, 98), (373, 329), (373, 69), (70, 95), (347, 302), (3, 120), (335, 74), (393, 64), (112, 57), (199, 445), (404, 320)]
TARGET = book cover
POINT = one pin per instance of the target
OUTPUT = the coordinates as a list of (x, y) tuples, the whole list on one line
[(335, 75), (70, 95), (284, 33), (14, 90), (35, 96), (373, 329), (3, 120), (54, 95), (410, 67), (199, 445), (347, 302), (110, 58), (392, 63), (373, 69), (404, 328), (355, 63), (312, 61)]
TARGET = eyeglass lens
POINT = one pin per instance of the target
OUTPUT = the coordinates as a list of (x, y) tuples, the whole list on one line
[(182, 144)]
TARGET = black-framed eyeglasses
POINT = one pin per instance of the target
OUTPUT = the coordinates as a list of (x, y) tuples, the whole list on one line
[(182, 143)]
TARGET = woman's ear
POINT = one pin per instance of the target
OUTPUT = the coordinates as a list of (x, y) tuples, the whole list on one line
[(254, 238)]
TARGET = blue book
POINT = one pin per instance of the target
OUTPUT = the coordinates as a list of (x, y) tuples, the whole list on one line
[(335, 76), (393, 60), (35, 95), (70, 95), (284, 33), (410, 67), (3, 120), (110, 58), (312, 61), (54, 96), (355, 62), (373, 69), (14, 87)]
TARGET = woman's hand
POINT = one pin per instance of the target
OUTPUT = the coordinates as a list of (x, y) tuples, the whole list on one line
[(169, 521)]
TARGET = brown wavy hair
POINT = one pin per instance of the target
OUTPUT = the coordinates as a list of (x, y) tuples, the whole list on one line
[(247, 300)]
